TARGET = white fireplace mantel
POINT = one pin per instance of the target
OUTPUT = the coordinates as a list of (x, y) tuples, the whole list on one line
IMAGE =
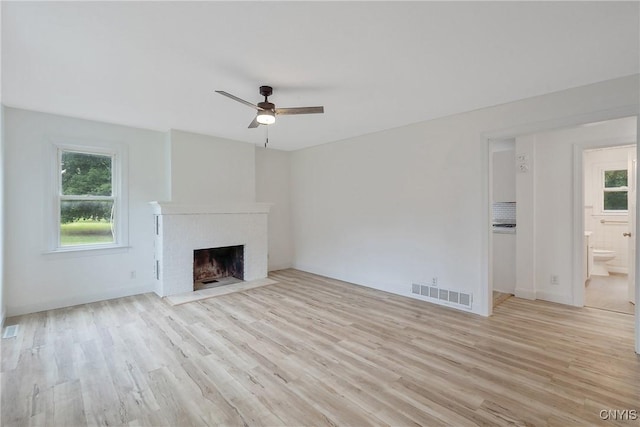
[(182, 228), (170, 208)]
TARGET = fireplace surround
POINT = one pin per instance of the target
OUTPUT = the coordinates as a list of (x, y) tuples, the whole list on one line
[(182, 229)]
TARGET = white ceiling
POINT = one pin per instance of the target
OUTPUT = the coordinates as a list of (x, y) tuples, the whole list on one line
[(373, 65)]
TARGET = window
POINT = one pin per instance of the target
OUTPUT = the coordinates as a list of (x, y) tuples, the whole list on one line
[(615, 190), (88, 203)]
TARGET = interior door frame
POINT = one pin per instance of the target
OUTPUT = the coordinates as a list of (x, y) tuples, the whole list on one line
[(486, 307), (578, 208)]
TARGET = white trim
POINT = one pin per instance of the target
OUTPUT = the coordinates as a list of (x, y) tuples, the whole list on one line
[(169, 208), (578, 211), (277, 267), (74, 251), (484, 306), (553, 297), (525, 293), (637, 263)]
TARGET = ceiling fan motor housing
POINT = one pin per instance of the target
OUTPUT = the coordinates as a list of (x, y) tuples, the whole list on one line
[(266, 90), (267, 106)]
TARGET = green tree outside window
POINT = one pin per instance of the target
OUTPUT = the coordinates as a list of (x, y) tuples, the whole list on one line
[(86, 199), (615, 190)]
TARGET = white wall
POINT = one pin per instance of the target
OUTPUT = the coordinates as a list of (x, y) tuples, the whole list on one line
[(273, 185), (178, 166), (607, 235), (383, 210), (35, 280), (526, 219), (548, 250), (210, 170), (395, 207)]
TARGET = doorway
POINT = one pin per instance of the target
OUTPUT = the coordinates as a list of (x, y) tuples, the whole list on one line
[(541, 278), (609, 227)]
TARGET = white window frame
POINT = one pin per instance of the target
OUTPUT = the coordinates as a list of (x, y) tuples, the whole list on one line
[(119, 195), (603, 189)]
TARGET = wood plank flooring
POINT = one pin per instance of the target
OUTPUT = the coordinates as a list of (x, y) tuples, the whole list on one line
[(315, 351), (499, 298)]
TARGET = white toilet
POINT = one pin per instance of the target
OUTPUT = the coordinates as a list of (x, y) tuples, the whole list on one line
[(600, 259)]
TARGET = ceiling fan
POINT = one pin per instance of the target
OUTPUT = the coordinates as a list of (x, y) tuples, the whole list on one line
[(267, 111)]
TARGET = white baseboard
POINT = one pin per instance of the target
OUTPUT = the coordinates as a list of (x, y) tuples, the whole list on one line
[(276, 267), (313, 270), (554, 297), (475, 307), (544, 295), (504, 291), (525, 293), (77, 300)]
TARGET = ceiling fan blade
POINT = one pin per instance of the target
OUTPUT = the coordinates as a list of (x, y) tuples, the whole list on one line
[(299, 110), (254, 123), (240, 100)]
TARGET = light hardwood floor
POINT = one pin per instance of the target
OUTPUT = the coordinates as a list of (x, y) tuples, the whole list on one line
[(315, 351), (499, 298)]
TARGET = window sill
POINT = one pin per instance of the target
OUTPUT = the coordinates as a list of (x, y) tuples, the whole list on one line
[(77, 251)]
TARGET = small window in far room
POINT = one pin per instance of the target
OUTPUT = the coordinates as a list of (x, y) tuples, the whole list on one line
[(86, 199), (615, 190)]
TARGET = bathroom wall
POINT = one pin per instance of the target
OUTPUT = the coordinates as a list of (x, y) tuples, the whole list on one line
[(607, 234)]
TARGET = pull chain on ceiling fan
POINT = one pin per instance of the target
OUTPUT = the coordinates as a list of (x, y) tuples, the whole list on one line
[(267, 111)]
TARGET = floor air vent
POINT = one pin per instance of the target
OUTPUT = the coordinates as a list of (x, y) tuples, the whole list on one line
[(442, 295)]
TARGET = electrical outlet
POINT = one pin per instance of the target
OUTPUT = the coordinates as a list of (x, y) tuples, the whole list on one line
[(434, 281), (555, 280), (132, 275)]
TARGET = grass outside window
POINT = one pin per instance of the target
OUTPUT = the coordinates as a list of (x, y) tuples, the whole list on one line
[(85, 232)]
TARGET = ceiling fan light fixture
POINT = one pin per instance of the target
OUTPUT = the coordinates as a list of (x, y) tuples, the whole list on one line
[(267, 111), (266, 117)]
